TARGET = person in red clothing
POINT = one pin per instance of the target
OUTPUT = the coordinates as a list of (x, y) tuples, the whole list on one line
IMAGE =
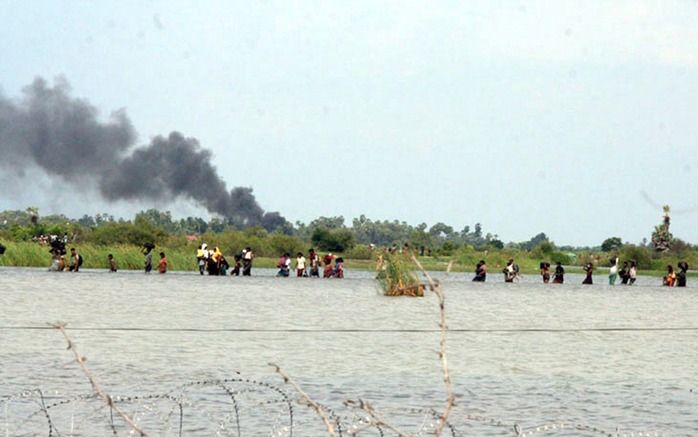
[(162, 265)]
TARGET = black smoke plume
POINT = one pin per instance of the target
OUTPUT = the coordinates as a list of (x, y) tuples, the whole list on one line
[(63, 136)]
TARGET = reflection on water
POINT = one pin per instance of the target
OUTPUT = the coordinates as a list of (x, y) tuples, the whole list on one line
[(522, 353)]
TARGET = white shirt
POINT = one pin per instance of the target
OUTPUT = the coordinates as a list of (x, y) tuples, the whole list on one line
[(300, 262)]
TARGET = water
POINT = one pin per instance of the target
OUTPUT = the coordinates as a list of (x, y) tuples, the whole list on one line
[(523, 354)]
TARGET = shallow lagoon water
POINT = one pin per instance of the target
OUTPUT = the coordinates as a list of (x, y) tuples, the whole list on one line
[(524, 353)]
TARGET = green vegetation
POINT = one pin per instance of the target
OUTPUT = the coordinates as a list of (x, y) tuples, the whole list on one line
[(360, 244), (397, 277)]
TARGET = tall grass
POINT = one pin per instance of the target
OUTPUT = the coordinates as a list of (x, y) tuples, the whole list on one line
[(128, 257), (397, 277)]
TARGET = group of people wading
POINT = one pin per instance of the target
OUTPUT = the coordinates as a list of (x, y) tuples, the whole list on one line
[(627, 273), (310, 267), (214, 262)]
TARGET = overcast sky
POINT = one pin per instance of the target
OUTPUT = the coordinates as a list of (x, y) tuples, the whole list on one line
[(525, 116)]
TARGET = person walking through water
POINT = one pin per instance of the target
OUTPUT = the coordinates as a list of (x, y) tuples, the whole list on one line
[(111, 263), (624, 274), (237, 266), (559, 276), (681, 276), (284, 265), (247, 257), (589, 268), (300, 265), (613, 272), (75, 261), (162, 265), (511, 271), (338, 268), (202, 257), (632, 273), (148, 261), (670, 278), (545, 271), (314, 263), (480, 271)]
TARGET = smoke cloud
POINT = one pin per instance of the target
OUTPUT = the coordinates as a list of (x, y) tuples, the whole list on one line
[(64, 137)]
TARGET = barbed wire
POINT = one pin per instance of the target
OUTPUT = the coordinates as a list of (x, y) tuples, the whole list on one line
[(252, 407)]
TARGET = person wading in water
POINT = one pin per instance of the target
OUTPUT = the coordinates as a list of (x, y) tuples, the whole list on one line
[(511, 271), (559, 276), (589, 268), (480, 271), (613, 272)]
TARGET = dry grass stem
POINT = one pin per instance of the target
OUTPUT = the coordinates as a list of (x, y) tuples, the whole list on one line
[(306, 399), (97, 389), (450, 397), (376, 420)]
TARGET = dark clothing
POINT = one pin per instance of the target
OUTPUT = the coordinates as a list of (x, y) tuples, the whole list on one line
[(149, 261), (624, 276), (236, 269), (588, 280), (246, 267), (681, 278), (559, 276), (480, 273)]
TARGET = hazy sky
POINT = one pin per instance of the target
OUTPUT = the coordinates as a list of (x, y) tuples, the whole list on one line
[(525, 116)]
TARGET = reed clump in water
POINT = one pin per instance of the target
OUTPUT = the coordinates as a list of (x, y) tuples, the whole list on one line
[(396, 276)]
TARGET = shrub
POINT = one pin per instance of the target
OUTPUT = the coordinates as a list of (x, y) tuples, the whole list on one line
[(126, 233), (333, 240), (360, 251), (641, 255)]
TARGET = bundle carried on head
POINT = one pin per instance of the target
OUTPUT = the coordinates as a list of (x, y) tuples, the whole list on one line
[(57, 247)]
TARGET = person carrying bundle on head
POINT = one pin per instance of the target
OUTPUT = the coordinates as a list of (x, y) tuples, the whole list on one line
[(148, 257)]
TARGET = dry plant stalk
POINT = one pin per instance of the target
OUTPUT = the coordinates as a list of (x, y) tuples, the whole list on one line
[(308, 401), (450, 397), (376, 420), (97, 389)]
